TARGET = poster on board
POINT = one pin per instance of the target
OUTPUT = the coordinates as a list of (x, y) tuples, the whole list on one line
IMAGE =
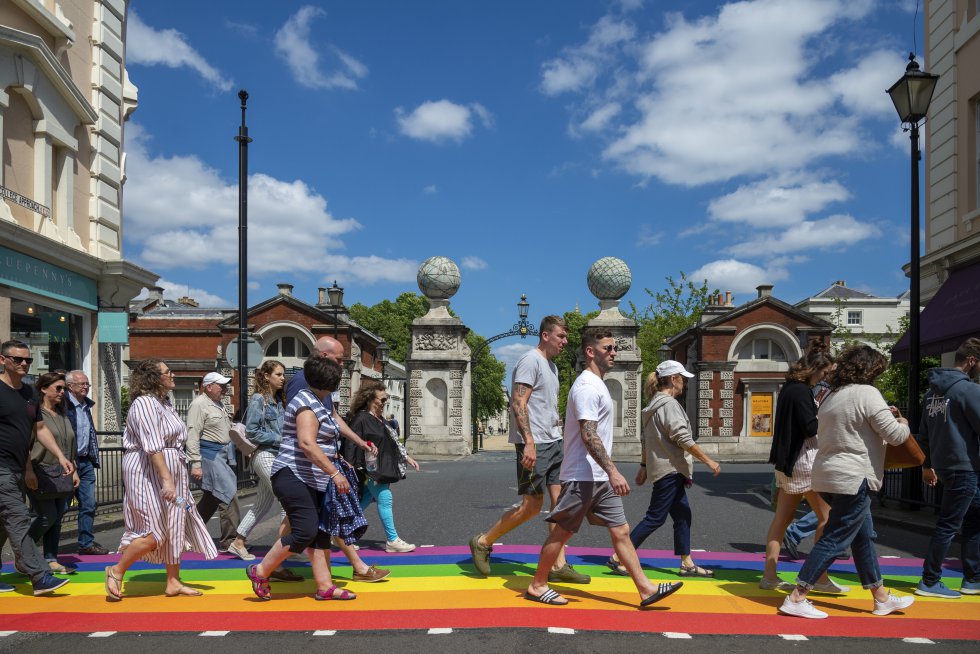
[(760, 415)]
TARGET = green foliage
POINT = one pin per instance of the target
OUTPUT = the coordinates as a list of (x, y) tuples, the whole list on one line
[(123, 405), (675, 308), (894, 382), (392, 320), (487, 375), (565, 361)]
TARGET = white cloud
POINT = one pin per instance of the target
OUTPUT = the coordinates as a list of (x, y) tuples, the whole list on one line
[(578, 67), (474, 263), (737, 276), (150, 47), (598, 119), (441, 120), (862, 88), (293, 44), (174, 291), (776, 201), (647, 237), (838, 231), (430, 189), (368, 269), (181, 214)]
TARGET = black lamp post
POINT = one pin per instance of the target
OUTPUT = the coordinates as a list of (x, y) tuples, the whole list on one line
[(383, 352), (663, 352), (243, 141), (335, 295), (911, 96)]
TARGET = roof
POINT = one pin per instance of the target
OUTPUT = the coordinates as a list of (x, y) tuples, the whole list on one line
[(836, 291), (802, 316)]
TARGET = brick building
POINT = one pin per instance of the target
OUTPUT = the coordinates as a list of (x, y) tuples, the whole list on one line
[(193, 340), (739, 357)]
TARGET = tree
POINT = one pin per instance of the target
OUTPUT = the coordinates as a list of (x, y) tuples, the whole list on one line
[(487, 375), (673, 309)]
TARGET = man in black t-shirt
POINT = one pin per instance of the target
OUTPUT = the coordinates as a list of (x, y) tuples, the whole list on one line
[(20, 423)]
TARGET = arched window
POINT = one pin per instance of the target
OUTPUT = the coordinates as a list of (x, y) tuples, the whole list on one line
[(764, 349), (287, 347)]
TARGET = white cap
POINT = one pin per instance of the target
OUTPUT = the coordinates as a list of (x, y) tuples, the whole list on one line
[(215, 378), (671, 367)]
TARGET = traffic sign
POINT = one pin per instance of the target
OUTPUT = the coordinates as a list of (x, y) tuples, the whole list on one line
[(253, 353)]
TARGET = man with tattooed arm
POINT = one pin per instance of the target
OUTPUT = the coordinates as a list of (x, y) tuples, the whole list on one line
[(535, 432), (591, 486)]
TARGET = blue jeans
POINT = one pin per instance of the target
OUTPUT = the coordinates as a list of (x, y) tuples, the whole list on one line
[(380, 493), (668, 497), (46, 530), (86, 502), (849, 524), (960, 509), (802, 528)]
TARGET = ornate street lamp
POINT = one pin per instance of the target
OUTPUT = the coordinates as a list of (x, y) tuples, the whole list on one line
[(663, 352), (911, 96), (383, 352), (523, 327)]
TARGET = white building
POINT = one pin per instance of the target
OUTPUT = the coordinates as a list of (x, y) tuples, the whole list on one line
[(869, 319), (64, 100)]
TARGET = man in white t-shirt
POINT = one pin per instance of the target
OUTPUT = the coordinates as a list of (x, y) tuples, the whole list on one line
[(535, 431), (591, 486)]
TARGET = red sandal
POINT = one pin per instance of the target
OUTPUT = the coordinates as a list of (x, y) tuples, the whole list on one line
[(260, 585), (328, 594)]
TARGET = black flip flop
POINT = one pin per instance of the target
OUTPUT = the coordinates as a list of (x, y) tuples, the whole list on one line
[(616, 567), (663, 590), (547, 597)]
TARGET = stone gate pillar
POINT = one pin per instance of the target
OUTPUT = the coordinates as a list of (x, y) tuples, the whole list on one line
[(438, 368), (609, 279)]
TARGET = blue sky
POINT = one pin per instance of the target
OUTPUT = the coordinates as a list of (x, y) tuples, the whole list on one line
[(744, 142)]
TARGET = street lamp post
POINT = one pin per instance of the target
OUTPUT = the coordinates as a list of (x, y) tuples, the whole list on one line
[(383, 352), (243, 141), (911, 96), (663, 352)]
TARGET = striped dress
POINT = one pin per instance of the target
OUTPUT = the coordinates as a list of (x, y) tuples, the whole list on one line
[(153, 426), (327, 437)]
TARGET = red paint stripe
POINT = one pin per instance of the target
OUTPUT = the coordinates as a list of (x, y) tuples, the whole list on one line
[(529, 617)]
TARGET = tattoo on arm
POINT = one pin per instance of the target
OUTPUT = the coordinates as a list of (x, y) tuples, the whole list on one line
[(522, 418), (590, 436)]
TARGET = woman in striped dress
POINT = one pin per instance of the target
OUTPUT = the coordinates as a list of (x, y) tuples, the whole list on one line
[(162, 521)]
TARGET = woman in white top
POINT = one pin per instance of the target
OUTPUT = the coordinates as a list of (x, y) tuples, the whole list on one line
[(855, 425)]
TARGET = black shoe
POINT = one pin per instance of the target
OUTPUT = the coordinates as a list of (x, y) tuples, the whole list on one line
[(94, 549)]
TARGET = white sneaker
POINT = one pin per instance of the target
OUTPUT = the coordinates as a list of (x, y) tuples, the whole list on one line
[(778, 584), (241, 552), (398, 545), (893, 603), (831, 587), (801, 609)]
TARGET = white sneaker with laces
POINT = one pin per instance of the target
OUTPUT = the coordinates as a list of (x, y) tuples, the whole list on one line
[(398, 545), (801, 609), (831, 587), (241, 552), (893, 603)]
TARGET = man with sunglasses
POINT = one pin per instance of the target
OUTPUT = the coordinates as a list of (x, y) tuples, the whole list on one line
[(20, 422), (592, 488), (78, 408)]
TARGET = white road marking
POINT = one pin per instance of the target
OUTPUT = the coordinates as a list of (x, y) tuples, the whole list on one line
[(561, 630), (918, 641), (214, 633), (325, 632), (675, 634), (101, 634), (4, 634), (426, 545), (440, 630), (885, 556), (793, 637)]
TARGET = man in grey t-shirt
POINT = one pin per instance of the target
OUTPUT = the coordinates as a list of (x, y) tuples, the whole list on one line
[(537, 437)]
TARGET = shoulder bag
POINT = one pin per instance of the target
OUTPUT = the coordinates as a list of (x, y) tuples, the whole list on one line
[(52, 483), (906, 455)]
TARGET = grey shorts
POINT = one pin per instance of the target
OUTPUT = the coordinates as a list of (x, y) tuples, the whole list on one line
[(547, 466), (591, 500)]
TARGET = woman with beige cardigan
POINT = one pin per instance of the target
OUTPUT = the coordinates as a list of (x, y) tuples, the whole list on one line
[(855, 425)]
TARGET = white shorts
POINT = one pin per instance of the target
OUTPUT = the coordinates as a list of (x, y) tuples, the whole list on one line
[(801, 481)]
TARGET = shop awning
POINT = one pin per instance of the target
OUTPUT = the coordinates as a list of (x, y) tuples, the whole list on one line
[(952, 316)]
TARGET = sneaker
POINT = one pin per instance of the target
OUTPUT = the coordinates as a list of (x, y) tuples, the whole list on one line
[(567, 574), (937, 589), (48, 584), (373, 574), (93, 549), (481, 555), (398, 545), (241, 552), (791, 548), (778, 584), (893, 603), (801, 609), (970, 587), (831, 587), (6, 588)]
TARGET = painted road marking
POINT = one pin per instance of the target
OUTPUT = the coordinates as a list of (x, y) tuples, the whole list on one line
[(675, 634), (101, 634), (561, 630), (793, 637), (214, 633), (918, 641), (4, 634), (440, 630), (325, 632)]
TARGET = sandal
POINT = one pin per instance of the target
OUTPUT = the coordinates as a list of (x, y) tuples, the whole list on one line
[(331, 594), (184, 591), (617, 567), (260, 585), (112, 595), (694, 571), (549, 596)]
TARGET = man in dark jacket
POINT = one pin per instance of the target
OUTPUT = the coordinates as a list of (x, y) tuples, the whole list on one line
[(950, 437), (78, 408)]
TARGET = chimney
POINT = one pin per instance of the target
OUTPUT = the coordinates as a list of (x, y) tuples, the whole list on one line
[(189, 301), (765, 290), (840, 282), (155, 293), (285, 289), (321, 296), (728, 298)]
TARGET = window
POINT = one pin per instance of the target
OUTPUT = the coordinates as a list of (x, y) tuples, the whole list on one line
[(764, 349), (854, 318), (287, 346)]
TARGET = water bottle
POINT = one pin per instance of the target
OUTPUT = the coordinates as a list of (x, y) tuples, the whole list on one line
[(370, 459)]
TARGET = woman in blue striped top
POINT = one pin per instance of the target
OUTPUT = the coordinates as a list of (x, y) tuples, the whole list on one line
[(307, 464)]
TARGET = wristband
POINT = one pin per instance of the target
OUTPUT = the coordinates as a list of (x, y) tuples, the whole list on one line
[(337, 472)]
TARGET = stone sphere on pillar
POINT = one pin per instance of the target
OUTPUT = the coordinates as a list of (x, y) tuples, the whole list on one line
[(438, 278), (609, 279)]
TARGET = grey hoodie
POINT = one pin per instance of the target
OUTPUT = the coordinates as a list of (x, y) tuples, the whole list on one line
[(949, 431), (666, 437)]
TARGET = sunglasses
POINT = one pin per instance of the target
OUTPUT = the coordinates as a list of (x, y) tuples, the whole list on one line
[(20, 360), (59, 389), (167, 372), (608, 348)]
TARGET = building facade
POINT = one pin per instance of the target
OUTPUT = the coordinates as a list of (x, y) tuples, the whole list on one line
[(64, 100), (859, 316)]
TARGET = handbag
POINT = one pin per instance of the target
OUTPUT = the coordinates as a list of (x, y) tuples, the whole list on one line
[(906, 455), (52, 483), (241, 441)]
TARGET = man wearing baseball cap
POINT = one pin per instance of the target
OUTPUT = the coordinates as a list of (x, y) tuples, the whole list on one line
[(212, 456)]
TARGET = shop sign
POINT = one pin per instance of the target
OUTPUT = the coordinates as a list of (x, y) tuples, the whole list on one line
[(30, 274), (760, 415), (27, 203), (113, 327)]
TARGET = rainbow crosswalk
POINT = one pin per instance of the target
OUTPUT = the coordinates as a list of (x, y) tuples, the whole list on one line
[(437, 587)]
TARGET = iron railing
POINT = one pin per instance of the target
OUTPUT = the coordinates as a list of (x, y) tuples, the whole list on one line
[(109, 488), (906, 487)]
